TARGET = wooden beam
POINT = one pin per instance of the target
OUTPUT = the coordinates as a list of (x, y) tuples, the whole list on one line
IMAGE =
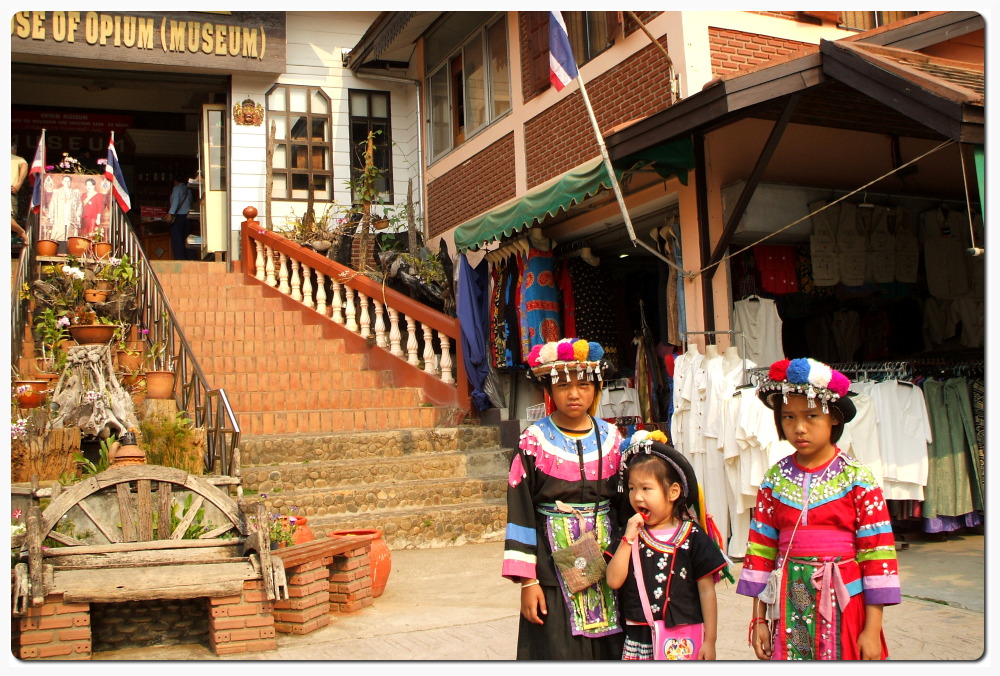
[(110, 532), (752, 181), (127, 513), (704, 236), (164, 510), (147, 583), (187, 519), (144, 500), (137, 546)]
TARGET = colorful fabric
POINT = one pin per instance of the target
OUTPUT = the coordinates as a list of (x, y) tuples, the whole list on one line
[(777, 265), (539, 301), (844, 536)]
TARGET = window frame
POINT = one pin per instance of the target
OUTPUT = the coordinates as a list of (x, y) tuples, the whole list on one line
[(326, 145), (537, 62), (459, 131), (385, 142)]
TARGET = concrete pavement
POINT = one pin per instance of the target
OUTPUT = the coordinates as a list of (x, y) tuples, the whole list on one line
[(451, 604)]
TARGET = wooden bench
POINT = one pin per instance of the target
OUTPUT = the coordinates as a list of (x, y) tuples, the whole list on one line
[(119, 551)]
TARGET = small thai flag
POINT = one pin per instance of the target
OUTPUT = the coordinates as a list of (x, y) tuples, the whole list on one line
[(562, 65), (37, 175), (113, 172)]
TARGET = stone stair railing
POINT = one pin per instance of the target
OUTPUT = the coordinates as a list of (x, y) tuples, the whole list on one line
[(402, 334)]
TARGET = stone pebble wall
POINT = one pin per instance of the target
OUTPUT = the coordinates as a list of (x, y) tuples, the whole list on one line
[(136, 624)]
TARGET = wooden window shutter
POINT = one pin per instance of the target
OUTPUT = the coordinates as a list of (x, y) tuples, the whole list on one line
[(614, 20), (538, 46)]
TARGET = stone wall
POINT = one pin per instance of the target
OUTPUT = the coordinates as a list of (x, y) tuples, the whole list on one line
[(136, 624)]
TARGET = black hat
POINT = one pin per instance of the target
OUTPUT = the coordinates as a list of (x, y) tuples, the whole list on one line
[(811, 378)]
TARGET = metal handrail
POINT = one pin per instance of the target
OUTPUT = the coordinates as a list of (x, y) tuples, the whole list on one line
[(209, 407)]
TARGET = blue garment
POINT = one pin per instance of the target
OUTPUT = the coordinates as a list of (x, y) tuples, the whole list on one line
[(180, 200), (472, 306), (180, 205)]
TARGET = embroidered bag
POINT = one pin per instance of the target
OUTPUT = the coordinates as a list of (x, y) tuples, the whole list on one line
[(582, 563), (682, 641)]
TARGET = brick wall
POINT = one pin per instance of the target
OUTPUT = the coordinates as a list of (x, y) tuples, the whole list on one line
[(645, 17), (242, 624), (307, 607), (350, 583), (562, 137), (132, 624), (738, 52), (53, 631), (479, 184)]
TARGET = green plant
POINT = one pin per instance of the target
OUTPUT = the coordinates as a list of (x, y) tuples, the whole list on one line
[(157, 359), (198, 526), (171, 442), (281, 530), (119, 271)]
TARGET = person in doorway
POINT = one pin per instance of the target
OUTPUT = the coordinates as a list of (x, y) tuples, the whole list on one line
[(93, 209), (567, 457), (821, 559), (679, 563), (177, 217)]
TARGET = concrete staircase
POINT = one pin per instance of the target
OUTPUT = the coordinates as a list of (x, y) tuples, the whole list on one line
[(324, 434)]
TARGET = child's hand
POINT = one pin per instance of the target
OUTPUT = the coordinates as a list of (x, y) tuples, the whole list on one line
[(870, 644), (533, 604), (762, 641), (633, 526), (707, 651)]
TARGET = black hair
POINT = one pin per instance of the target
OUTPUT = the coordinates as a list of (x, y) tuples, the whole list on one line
[(835, 432), (665, 475)]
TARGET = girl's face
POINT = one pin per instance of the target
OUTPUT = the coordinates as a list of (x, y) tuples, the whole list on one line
[(808, 430), (647, 497), (572, 400)]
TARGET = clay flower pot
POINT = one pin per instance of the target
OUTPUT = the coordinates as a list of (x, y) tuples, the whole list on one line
[(303, 533), (131, 361), (77, 246), (160, 384), (46, 247), (95, 295), (381, 559), (102, 249), (32, 394), (90, 334)]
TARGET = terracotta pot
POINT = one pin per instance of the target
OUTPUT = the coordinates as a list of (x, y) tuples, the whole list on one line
[(77, 246), (136, 386), (102, 249), (32, 398), (95, 295), (129, 361), (381, 559), (46, 247), (160, 384), (90, 334), (303, 533)]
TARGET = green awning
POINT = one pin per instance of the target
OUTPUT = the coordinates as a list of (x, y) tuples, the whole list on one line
[(979, 152), (571, 188)]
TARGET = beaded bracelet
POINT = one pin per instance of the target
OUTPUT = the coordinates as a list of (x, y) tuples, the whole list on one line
[(753, 623), (626, 541)]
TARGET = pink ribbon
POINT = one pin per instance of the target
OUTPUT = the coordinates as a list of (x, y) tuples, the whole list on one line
[(827, 576)]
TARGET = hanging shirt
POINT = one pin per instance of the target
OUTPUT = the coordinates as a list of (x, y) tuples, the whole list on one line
[(944, 236), (777, 268), (758, 319), (904, 431)]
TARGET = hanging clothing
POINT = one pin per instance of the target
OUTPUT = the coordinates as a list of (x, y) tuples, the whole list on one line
[(758, 319), (776, 263), (593, 307), (907, 259), (944, 235), (977, 395), (840, 558), (539, 301), (904, 430), (860, 438), (497, 327), (568, 311), (548, 466), (880, 264), (953, 487), (823, 244), (472, 311)]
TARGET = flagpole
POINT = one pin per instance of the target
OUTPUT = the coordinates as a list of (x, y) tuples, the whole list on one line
[(617, 189)]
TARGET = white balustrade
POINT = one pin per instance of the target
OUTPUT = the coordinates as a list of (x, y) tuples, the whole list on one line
[(296, 281), (307, 287), (320, 293), (428, 350), (394, 334), (350, 309), (283, 274), (366, 322), (411, 342), (336, 303), (269, 266), (259, 261), (446, 371), (381, 338)]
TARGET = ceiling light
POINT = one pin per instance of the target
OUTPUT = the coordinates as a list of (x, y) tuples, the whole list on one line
[(623, 255)]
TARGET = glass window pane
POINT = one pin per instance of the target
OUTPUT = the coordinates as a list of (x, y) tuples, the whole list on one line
[(299, 129), (380, 105), (499, 72), (300, 157), (280, 155), (217, 161), (297, 100), (320, 104), (319, 129), (276, 100), (279, 185), (597, 33), (319, 155), (475, 84), (359, 104), (440, 110), (321, 188)]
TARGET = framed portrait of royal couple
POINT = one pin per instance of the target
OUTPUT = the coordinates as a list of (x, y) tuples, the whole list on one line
[(74, 205)]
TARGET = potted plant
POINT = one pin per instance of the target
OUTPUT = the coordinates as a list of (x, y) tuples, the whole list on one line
[(50, 332), (46, 247), (101, 248), (77, 245), (159, 372), (89, 329), (130, 353)]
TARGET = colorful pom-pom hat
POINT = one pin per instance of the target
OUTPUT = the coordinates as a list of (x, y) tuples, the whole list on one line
[(560, 358), (811, 378)]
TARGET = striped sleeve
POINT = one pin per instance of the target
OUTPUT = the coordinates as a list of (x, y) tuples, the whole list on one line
[(762, 545), (521, 539), (874, 542)]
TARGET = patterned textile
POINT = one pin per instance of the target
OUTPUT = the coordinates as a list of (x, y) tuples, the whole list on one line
[(844, 532), (637, 650), (539, 301), (951, 489), (593, 307), (777, 264), (498, 329), (568, 314), (977, 392)]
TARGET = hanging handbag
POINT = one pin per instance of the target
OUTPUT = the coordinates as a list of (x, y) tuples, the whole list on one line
[(682, 641), (582, 563)]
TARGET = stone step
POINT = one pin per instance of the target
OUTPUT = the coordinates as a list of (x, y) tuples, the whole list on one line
[(347, 420), (384, 443), (339, 474), (423, 528), (226, 345), (282, 363), (196, 288), (182, 304), (240, 319), (386, 496), (294, 399), (274, 334)]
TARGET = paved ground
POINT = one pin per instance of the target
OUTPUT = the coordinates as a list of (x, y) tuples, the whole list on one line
[(451, 604)]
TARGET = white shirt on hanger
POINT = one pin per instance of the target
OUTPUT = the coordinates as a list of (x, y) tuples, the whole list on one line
[(758, 319), (904, 430)]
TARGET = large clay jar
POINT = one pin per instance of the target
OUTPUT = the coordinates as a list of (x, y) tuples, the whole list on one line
[(91, 334), (381, 560), (160, 384), (303, 533), (77, 246), (46, 247)]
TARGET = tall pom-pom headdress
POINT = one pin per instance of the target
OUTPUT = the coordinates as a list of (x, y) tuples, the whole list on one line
[(813, 379), (655, 443), (565, 359)]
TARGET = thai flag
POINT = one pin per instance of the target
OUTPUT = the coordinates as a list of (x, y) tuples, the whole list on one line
[(37, 175), (562, 65), (113, 172)]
